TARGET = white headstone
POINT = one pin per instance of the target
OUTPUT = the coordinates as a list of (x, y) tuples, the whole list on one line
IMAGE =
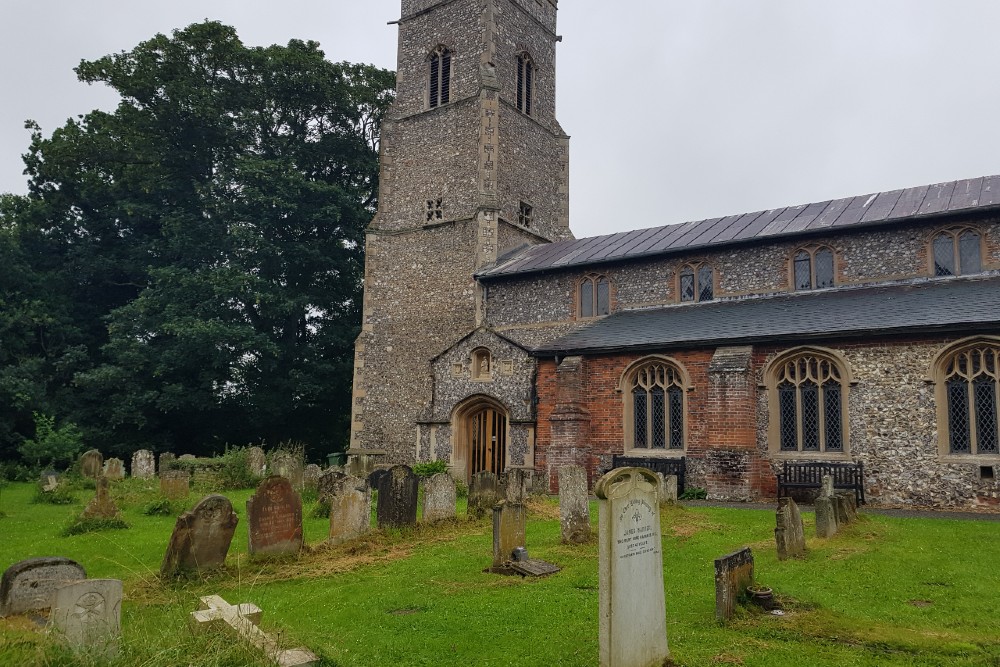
[(88, 614)]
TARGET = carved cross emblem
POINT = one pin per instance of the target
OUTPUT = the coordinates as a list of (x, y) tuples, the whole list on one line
[(89, 607)]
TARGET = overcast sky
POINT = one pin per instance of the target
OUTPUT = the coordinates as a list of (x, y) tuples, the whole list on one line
[(678, 110)]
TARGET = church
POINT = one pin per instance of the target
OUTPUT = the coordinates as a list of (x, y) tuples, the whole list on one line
[(862, 331)]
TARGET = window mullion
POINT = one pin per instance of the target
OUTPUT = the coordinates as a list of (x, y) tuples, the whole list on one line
[(970, 389), (798, 418), (821, 417)]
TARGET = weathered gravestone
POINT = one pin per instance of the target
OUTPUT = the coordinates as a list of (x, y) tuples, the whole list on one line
[(256, 461), (201, 537), (166, 458), (310, 476), (49, 479), (326, 483), (509, 522), (789, 533), (397, 498), (91, 464), (439, 497), (28, 585), (143, 464), (375, 476), (274, 519), (101, 506), (186, 457), (668, 488), (288, 465), (826, 512), (846, 506), (515, 485), (114, 469), (243, 619), (88, 615), (574, 505), (632, 611), (483, 493), (733, 573), (175, 484), (350, 509)]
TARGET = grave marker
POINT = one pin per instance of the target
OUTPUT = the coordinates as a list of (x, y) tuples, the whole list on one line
[(28, 585), (88, 614), (91, 464), (175, 484), (326, 483), (574, 505), (668, 488), (789, 534), (256, 461), (350, 509), (733, 573), (274, 517), (143, 464), (288, 465), (49, 479), (483, 493), (101, 506), (515, 485), (310, 476), (509, 521), (201, 537), (439, 497), (397, 498), (166, 458), (826, 512), (114, 469)]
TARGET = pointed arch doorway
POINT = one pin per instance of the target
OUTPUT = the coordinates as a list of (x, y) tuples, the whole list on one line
[(481, 427)]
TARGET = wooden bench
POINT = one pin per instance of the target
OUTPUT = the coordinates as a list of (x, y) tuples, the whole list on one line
[(676, 467), (809, 475)]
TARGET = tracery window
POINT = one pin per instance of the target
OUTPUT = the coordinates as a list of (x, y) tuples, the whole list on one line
[(594, 296), (440, 77), (696, 282), (956, 252), (807, 392), (968, 385), (525, 82), (812, 268), (655, 405)]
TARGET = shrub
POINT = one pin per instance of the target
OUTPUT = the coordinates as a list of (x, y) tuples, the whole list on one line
[(80, 525), (461, 489), (430, 468), (235, 471), (61, 495), (163, 507), (321, 510), (693, 493), (52, 444)]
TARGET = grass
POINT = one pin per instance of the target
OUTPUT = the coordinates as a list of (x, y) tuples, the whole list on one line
[(883, 592)]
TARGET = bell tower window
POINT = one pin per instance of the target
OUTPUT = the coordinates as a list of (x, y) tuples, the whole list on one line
[(440, 78), (525, 83)]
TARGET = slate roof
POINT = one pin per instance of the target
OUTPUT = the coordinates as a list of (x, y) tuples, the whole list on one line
[(976, 194), (936, 305)]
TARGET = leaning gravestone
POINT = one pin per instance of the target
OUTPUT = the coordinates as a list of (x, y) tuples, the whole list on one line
[(733, 573), (439, 497), (350, 509), (509, 521), (274, 519), (114, 469), (256, 461), (28, 585), (101, 506), (88, 615), (574, 505), (326, 483), (91, 464), (175, 484), (789, 534), (850, 505), (633, 623), (397, 498), (289, 466), (143, 464), (483, 493), (201, 537), (310, 476)]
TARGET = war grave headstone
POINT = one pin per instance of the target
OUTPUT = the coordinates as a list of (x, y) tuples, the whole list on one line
[(789, 533), (175, 484), (274, 518), (440, 498), (214, 611), (143, 464), (632, 610), (114, 469), (166, 458), (91, 464), (310, 476), (27, 586), (201, 537), (256, 461), (350, 509), (88, 615), (397, 498), (574, 505), (326, 482), (101, 506), (668, 488), (733, 573), (826, 512), (483, 493), (288, 465)]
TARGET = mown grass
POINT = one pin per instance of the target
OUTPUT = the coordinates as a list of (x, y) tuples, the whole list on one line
[(884, 592)]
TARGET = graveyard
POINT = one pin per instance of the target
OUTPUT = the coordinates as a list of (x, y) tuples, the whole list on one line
[(418, 581)]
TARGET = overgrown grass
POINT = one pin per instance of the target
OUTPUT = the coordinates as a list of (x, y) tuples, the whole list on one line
[(884, 592)]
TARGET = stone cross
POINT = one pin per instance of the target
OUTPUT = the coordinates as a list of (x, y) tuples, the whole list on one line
[(574, 505), (88, 614), (789, 533), (244, 618), (439, 497)]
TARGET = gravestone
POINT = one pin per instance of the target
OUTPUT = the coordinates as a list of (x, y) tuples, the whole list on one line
[(350, 509), (375, 476), (49, 479), (848, 507), (668, 488), (483, 493), (274, 519), (91, 464), (175, 484), (88, 615), (515, 485), (439, 497), (509, 521), (28, 585), (143, 464), (310, 476), (201, 537), (256, 461), (633, 623), (289, 466), (574, 505), (397, 498), (326, 483), (733, 573), (166, 458), (826, 511), (244, 619), (789, 533), (186, 457), (114, 469), (101, 506)]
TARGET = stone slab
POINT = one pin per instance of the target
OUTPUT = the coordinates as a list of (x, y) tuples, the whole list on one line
[(114, 469), (733, 573), (484, 492), (533, 567), (175, 484), (826, 517), (509, 523), (274, 519), (256, 460), (350, 509), (27, 586), (88, 615), (91, 464)]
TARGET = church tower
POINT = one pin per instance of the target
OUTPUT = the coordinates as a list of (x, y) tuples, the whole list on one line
[(473, 164)]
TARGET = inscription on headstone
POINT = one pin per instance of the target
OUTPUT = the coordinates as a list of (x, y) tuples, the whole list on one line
[(91, 464), (439, 497), (274, 517), (789, 533), (201, 537), (350, 509), (397, 498), (28, 585), (574, 505), (483, 493), (88, 615), (143, 464), (733, 573)]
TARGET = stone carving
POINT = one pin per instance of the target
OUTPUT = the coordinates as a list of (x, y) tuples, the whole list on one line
[(201, 537), (350, 509), (114, 469), (28, 585), (439, 498), (274, 518), (733, 573), (509, 521), (88, 615), (397, 498), (91, 464), (310, 476), (101, 506), (289, 466), (483, 493), (175, 484), (633, 624), (574, 505), (143, 464), (256, 461), (789, 534)]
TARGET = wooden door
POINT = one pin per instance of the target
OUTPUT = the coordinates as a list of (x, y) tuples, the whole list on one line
[(487, 438)]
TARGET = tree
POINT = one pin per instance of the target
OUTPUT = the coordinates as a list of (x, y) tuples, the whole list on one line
[(209, 237)]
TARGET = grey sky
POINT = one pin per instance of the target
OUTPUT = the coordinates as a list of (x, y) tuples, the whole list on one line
[(678, 110)]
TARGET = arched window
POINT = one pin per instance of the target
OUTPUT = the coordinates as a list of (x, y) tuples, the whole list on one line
[(812, 268), (807, 402), (525, 82), (696, 282), (440, 77), (482, 364), (967, 375), (956, 252), (654, 396), (594, 296)]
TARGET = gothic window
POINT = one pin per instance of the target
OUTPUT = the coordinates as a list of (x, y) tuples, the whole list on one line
[(594, 296), (807, 397), (440, 77), (654, 395), (525, 82), (525, 214), (482, 364), (812, 268), (968, 386), (434, 209), (956, 252), (696, 282)]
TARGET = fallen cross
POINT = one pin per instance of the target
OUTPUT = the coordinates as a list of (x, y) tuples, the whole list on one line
[(243, 618)]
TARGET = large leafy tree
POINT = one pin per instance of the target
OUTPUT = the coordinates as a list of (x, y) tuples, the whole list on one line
[(208, 239)]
